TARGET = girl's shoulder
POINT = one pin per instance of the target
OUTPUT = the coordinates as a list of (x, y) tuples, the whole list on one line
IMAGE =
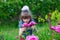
[(32, 20), (21, 22)]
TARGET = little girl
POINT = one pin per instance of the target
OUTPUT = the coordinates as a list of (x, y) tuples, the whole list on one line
[(25, 17)]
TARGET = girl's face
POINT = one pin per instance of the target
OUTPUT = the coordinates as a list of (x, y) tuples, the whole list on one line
[(26, 17), (26, 20)]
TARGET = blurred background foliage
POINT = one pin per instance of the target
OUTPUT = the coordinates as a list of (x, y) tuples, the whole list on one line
[(10, 10)]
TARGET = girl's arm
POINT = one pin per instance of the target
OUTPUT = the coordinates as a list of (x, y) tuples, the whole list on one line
[(21, 29), (20, 24), (34, 28)]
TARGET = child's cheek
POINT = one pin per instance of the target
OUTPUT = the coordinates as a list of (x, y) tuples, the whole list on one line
[(28, 19)]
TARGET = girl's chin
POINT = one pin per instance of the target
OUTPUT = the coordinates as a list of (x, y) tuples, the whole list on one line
[(26, 22)]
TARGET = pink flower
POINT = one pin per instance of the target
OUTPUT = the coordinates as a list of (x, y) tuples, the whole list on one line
[(52, 27), (56, 28), (17, 37), (32, 23), (25, 25), (32, 37)]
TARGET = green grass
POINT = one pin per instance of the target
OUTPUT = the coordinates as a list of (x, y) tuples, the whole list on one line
[(44, 33), (9, 31)]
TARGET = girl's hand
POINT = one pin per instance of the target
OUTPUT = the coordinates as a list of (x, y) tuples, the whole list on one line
[(33, 27), (21, 30)]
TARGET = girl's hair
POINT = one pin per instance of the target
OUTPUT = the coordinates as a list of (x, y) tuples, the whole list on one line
[(25, 13)]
